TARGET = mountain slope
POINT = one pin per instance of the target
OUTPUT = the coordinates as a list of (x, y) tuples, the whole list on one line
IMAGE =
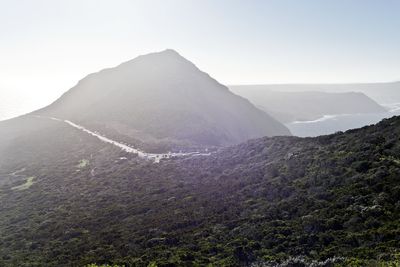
[(265, 199), (307, 105), (383, 93), (163, 97)]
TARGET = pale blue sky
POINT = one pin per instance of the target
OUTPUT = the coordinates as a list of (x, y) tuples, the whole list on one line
[(46, 46)]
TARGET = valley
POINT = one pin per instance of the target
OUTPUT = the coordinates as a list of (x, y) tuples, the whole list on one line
[(129, 149)]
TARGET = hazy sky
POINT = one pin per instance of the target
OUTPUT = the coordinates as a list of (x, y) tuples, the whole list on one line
[(46, 46)]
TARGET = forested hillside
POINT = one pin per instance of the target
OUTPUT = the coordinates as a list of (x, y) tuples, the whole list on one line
[(264, 200)]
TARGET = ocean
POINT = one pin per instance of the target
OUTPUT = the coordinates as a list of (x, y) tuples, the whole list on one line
[(332, 123), (14, 104)]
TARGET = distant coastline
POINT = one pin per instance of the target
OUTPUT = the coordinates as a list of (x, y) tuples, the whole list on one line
[(13, 104)]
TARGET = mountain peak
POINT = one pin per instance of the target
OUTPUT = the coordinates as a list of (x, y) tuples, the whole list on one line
[(167, 58), (164, 53), (163, 97), (171, 54), (170, 51)]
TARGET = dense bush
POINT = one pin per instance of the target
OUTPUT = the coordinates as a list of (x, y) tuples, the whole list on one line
[(269, 200)]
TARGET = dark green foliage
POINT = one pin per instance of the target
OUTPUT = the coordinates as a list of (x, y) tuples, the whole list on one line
[(265, 200)]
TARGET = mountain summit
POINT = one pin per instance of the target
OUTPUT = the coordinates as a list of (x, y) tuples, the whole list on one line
[(163, 97)]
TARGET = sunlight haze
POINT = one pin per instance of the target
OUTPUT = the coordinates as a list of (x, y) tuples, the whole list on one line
[(232, 133), (46, 46)]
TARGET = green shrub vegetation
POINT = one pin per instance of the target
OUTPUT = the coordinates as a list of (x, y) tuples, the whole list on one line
[(83, 163), (267, 201)]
